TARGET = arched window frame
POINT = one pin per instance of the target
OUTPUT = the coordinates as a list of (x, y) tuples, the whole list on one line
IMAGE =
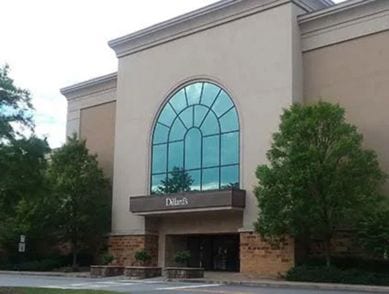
[(220, 133)]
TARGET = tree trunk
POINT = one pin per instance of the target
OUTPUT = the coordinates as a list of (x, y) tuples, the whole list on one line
[(327, 251), (74, 260)]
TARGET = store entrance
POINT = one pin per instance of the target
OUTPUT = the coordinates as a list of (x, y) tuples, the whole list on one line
[(214, 252)]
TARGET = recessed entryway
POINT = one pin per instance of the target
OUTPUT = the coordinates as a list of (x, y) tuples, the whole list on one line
[(213, 252)]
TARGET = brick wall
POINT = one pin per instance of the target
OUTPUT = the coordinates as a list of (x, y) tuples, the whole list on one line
[(259, 257), (123, 248)]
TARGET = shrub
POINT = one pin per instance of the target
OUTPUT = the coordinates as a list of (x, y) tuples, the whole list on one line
[(35, 265), (182, 257), (142, 256), (106, 258), (332, 274), (346, 263)]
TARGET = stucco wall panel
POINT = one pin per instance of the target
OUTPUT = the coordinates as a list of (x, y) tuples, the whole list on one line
[(250, 57), (97, 126), (355, 74)]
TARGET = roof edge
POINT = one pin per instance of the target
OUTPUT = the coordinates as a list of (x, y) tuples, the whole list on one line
[(200, 19), (72, 90), (332, 10)]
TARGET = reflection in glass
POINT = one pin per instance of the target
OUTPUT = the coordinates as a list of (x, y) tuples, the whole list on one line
[(210, 125), (177, 181), (222, 104), (160, 134), (177, 131), (210, 179), (167, 115), (229, 121), (156, 181), (187, 117), (176, 154), (178, 101), (193, 93), (195, 175), (193, 149), (229, 177), (211, 151), (229, 148), (196, 142), (159, 158)]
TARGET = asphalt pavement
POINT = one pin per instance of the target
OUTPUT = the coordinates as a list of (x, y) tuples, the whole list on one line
[(120, 284)]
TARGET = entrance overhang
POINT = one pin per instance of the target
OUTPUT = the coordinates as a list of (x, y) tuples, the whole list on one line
[(219, 200)]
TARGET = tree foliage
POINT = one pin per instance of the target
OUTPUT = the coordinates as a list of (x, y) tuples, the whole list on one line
[(319, 178), (24, 193), (373, 231), (82, 195), (15, 107), (178, 181)]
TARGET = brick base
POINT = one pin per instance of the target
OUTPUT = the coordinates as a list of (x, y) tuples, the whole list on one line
[(123, 248), (259, 257)]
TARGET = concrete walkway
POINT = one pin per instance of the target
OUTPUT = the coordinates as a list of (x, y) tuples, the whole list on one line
[(239, 279), (227, 278)]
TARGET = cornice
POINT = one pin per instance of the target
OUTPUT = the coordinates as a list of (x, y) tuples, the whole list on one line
[(345, 21), (91, 86), (347, 5), (201, 19)]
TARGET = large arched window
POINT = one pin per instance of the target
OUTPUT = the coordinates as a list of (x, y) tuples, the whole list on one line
[(195, 145)]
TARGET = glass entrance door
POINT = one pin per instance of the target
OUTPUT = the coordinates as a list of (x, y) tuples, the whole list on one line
[(214, 252)]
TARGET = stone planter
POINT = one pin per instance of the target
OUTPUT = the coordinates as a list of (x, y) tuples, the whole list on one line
[(106, 271), (142, 272), (184, 272)]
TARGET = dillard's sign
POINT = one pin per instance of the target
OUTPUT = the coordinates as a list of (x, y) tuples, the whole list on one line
[(175, 201)]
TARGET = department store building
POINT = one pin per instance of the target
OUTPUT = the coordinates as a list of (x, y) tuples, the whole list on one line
[(182, 125)]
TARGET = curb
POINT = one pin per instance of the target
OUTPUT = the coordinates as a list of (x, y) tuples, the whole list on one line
[(293, 285), (47, 274)]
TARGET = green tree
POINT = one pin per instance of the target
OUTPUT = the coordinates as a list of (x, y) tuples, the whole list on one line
[(319, 178), (15, 107), (178, 181), (82, 195), (24, 193), (373, 230)]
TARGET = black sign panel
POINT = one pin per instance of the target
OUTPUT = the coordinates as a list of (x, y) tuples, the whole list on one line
[(228, 199)]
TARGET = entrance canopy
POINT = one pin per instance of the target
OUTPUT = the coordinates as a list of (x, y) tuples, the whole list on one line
[(231, 199)]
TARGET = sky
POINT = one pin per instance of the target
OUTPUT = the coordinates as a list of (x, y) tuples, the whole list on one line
[(52, 44)]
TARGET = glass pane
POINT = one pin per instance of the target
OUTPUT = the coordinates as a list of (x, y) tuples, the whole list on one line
[(156, 183), (210, 125), (229, 177), (176, 155), (200, 112), (230, 148), (193, 93), (210, 92), (210, 179), (211, 151), (195, 177), (229, 121), (178, 101), (160, 134), (177, 131), (222, 104), (167, 115), (159, 158), (192, 149), (187, 117)]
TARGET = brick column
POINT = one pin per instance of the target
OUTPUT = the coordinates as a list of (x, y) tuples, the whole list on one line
[(123, 248), (259, 257)]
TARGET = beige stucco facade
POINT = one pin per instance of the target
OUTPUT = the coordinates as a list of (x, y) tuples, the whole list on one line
[(355, 74), (266, 55)]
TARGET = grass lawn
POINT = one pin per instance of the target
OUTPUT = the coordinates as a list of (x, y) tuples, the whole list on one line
[(49, 291)]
